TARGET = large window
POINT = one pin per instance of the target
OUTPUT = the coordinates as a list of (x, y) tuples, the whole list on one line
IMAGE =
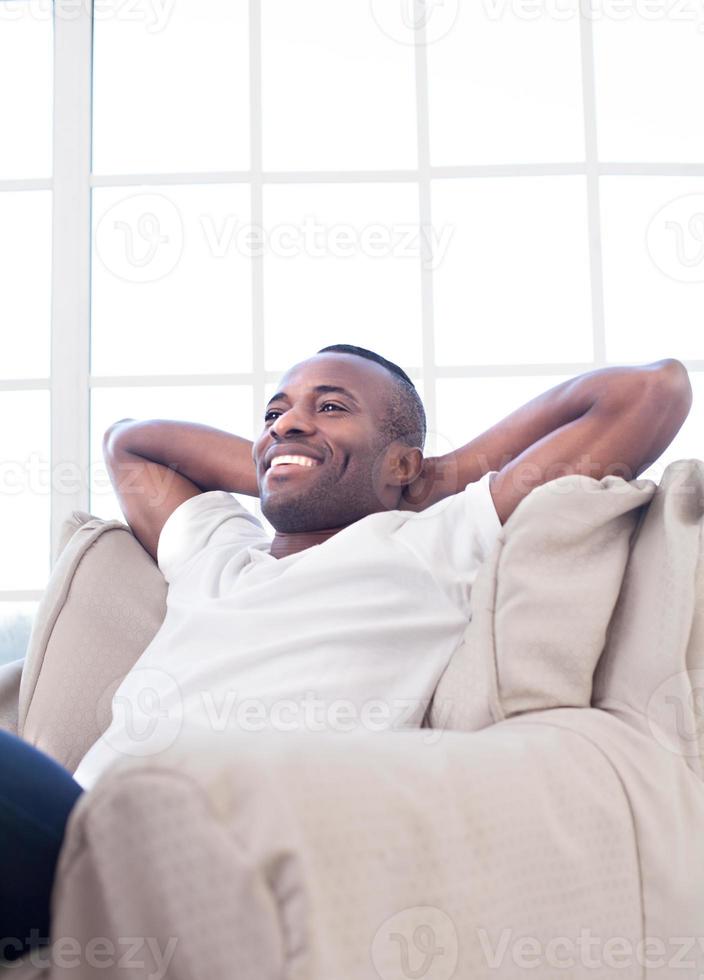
[(26, 73), (497, 196)]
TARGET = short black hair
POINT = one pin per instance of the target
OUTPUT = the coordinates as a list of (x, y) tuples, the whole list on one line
[(405, 415)]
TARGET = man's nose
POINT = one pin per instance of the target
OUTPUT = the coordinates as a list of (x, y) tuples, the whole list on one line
[(290, 421)]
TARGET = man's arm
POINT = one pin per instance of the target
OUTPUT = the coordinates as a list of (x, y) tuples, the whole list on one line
[(613, 420), (157, 465)]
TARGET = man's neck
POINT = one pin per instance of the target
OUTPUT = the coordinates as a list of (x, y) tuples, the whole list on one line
[(290, 544)]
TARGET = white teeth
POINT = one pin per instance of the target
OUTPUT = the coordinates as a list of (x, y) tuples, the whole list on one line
[(298, 460)]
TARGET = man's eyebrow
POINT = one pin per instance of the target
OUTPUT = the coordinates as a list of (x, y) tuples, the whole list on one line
[(319, 390)]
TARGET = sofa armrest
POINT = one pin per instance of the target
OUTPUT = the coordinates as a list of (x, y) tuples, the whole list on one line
[(325, 855), (10, 676)]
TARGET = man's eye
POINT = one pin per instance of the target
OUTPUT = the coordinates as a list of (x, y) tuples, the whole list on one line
[(275, 411)]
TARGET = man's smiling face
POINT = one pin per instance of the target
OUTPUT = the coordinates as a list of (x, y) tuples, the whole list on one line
[(353, 474)]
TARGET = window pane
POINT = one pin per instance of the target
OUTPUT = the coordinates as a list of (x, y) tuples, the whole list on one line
[(649, 70), (466, 407), (25, 297), (338, 91), (505, 86), (689, 441), (171, 86), (512, 285), (171, 280), (15, 626), (341, 266), (225, 407), (653, 255), (25, 490), (26, 70)]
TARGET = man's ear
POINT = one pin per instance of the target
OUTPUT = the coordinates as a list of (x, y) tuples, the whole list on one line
[(409, 464)]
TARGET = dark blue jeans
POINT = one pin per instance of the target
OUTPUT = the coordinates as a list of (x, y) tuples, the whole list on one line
[(36, 797)]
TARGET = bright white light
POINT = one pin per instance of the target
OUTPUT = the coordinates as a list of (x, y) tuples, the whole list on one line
[(25, 489), (338, 92), (652, 258), (26, 68), (171, 87), (505, 87), (25, 296), (514, 284), (172, 286), (367, 294), (649, 79)]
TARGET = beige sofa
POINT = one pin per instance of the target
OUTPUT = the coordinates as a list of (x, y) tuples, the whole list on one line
[(550, 823)]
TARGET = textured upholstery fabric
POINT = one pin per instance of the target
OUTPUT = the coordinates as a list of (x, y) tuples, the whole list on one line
[(319, 857), (593, 595), (652, 669), (300, 856), (105, 600), (542, 603)]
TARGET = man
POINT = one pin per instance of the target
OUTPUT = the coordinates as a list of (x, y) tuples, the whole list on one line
[(362, 595), (365, 590)]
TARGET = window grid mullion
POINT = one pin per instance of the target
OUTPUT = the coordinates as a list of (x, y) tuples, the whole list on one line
[(257, 213), (25, 384), (592, 176), (31, 184), (70, 310), (425, 216), (605, 168)]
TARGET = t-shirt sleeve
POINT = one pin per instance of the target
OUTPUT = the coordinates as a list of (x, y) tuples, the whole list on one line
[(454, 537), (207, 520)]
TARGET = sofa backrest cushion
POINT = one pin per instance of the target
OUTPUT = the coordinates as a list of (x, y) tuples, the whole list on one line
[(542, 603), (104, 602), (652, 669), (593, 595)]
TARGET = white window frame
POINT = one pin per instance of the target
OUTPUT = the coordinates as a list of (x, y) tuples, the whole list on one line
[(71, 382)]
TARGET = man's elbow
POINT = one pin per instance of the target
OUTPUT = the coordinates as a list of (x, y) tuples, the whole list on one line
[(672, 388), (110, 432)]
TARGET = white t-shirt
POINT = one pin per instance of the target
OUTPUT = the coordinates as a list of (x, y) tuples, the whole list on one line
[(349, 635)]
